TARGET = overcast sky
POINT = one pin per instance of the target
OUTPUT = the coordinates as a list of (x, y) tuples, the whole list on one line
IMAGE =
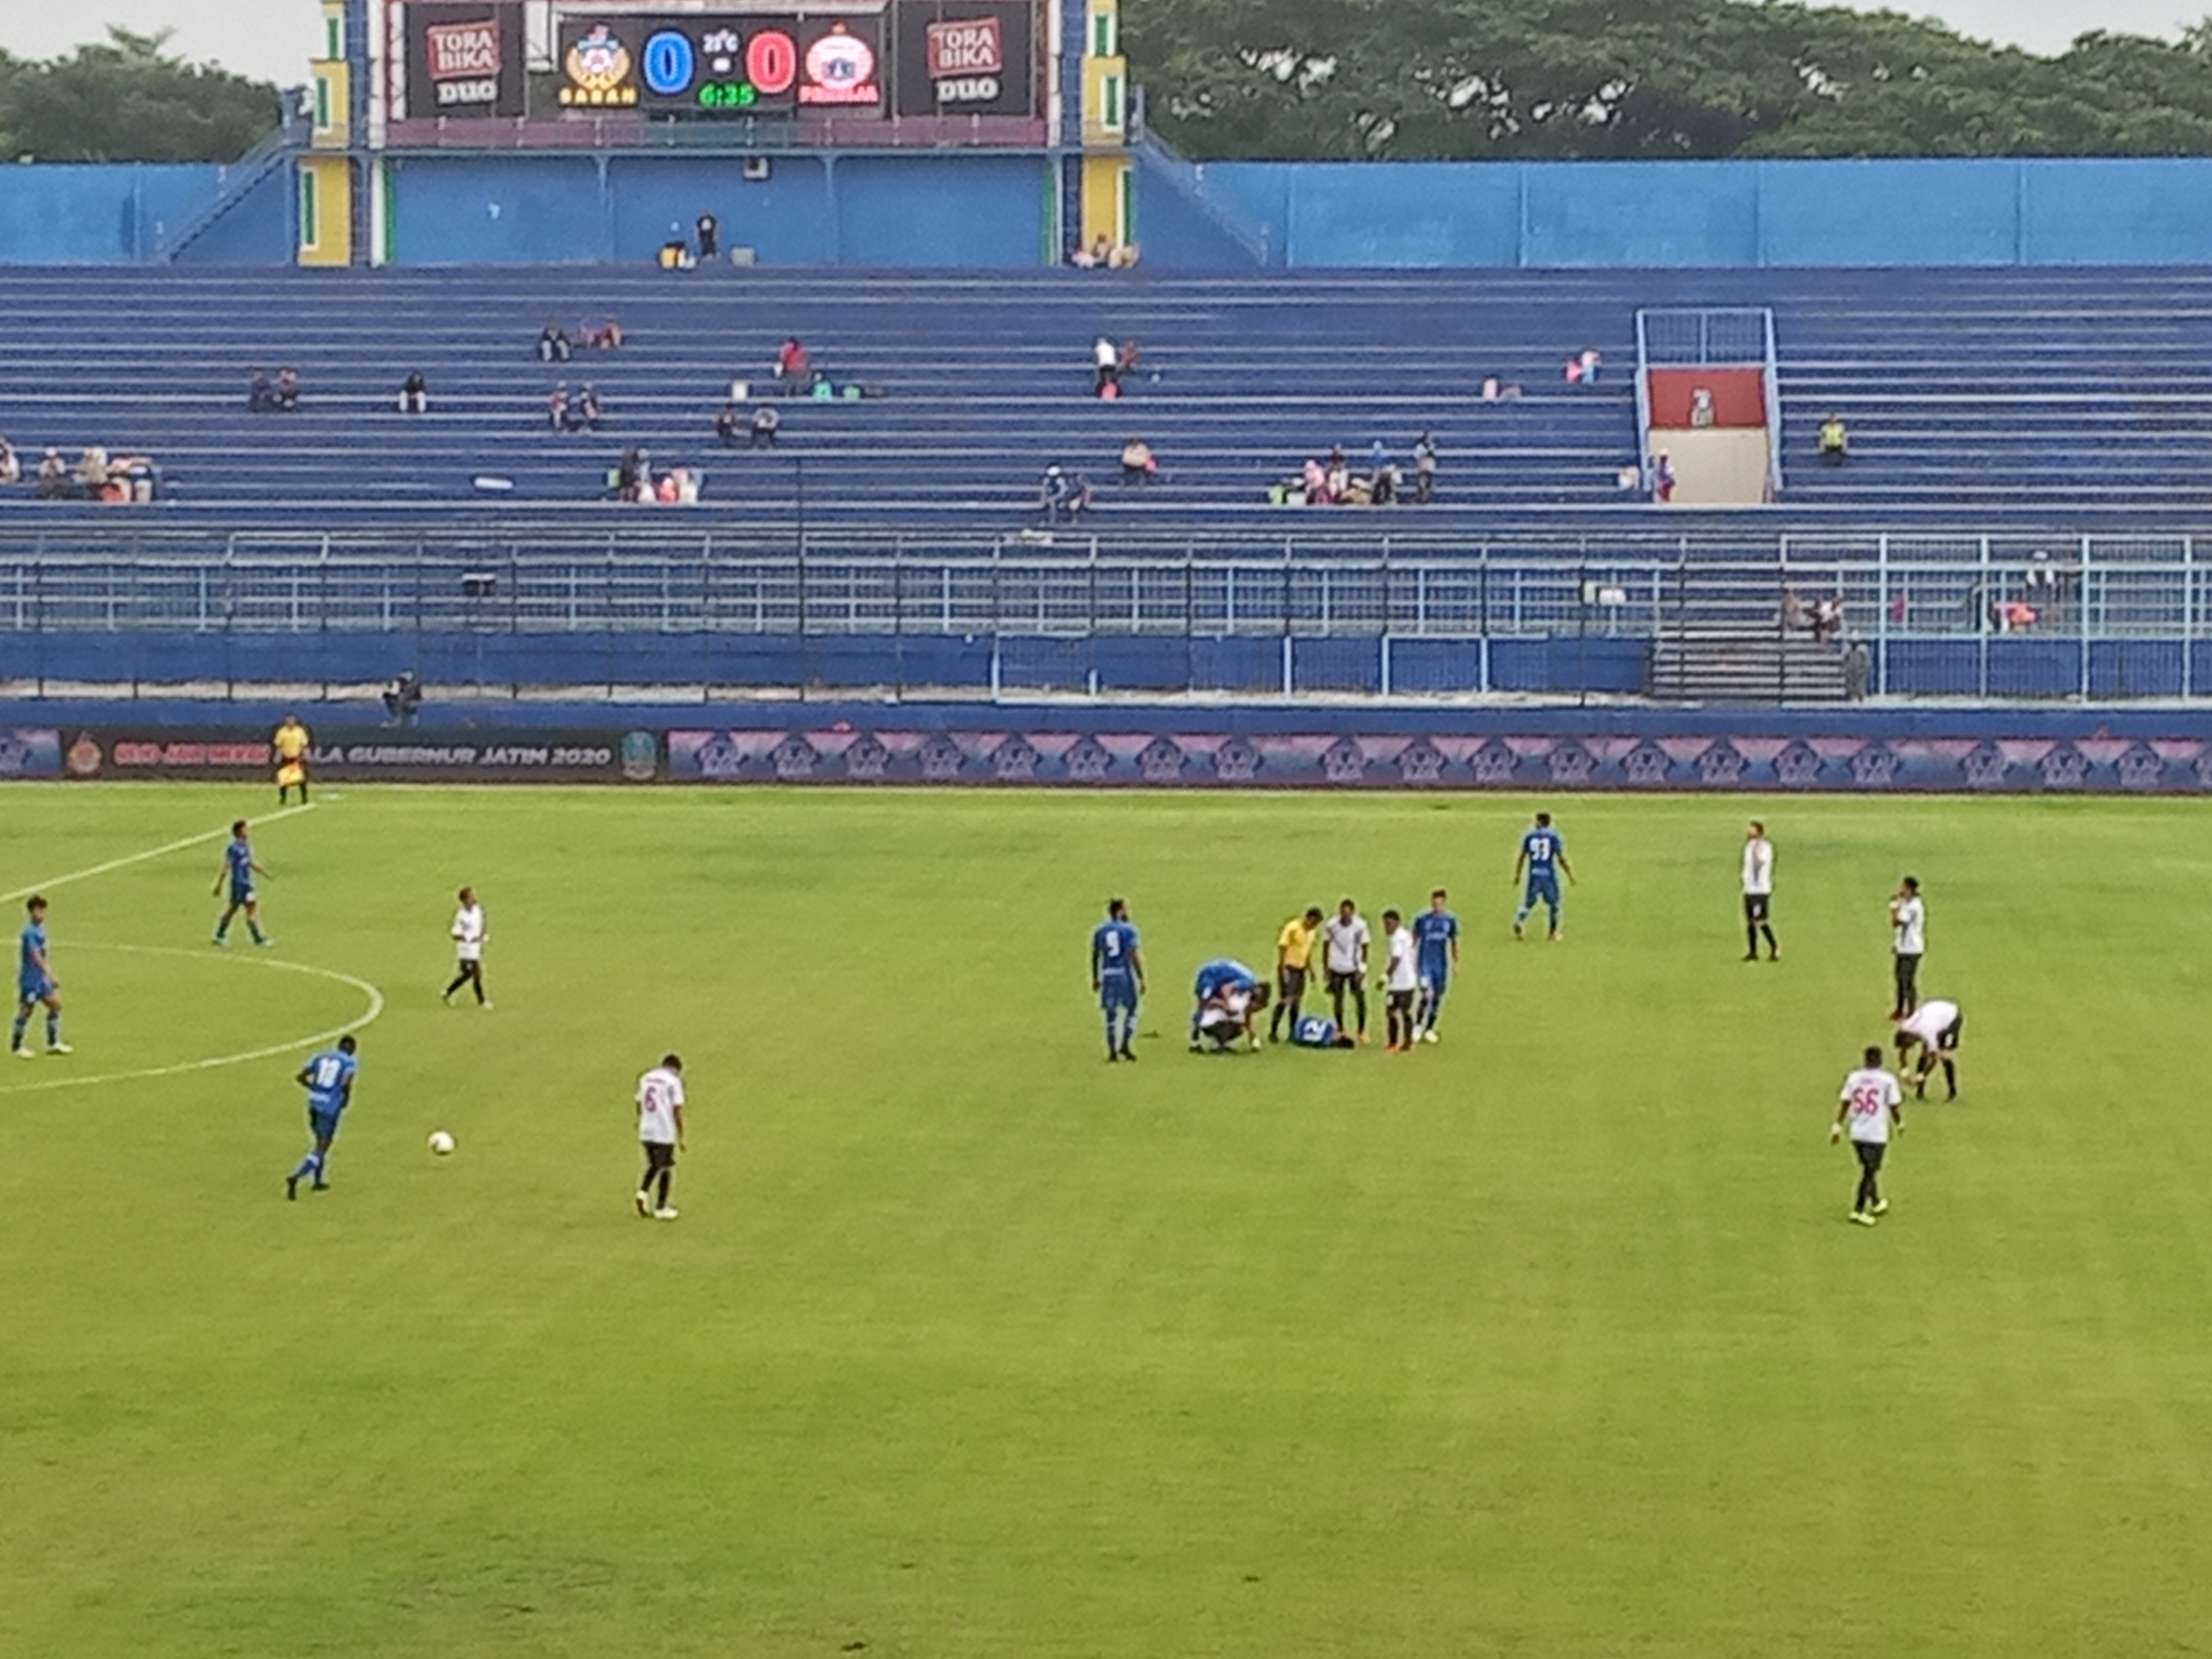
[(271, 39)]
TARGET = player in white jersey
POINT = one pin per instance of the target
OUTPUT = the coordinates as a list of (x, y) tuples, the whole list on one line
[(1873, 1106), (469, 938), (1402, 979), (1759, 894), (1908, 921), (1346, 938), (660, 1131), (1934, 1028)]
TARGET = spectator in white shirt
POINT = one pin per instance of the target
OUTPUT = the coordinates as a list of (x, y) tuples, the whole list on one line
[(1908, 918)]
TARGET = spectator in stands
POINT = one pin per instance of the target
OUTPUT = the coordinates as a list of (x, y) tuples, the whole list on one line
[(1106, 362), (1858, 669), (1315, 480), (1336, 476), (765, 423), (1583, 368), (553, 342), (1079, 495), (92, 473), (632, 473), (600, 336), (415, 395), (258, 396), (402, 698), (710, 237), (1828, 618), (1125, 359), (1123, 257), (1795, 618), (1384, 483), (1138, 465), (1835, 442), (1082, 258), (287, 389), (584, 412), (1102, 250), (53, 476), (728, 424), (1663, 477), (557, 408), (1052, 493), (794, 370), (1424, 468), (11, 469)]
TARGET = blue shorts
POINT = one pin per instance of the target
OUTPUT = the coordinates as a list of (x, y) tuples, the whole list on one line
[(32, 987), (241, 895), (1436, 976), (324, 1125), (1117, 993), (1544, 890)]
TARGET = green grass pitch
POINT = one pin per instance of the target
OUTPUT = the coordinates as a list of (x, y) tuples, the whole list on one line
[(1548, 1341)]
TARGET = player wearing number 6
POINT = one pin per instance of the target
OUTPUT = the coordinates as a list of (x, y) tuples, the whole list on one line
[(1872, 1105)]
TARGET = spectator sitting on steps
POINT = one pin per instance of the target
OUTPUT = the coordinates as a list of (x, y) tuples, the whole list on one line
[(258, 396), (710, 237), (1106, 363), (92, 473), (765, 423), (415, 395), (402, 698), (728, 424), (1827, 619), (600, 336), (557, 408), (553, 342), (1138, 465), (1424, 468), (287, 389), (11, 469), (53, 476), (1795, 618), (792, 369), (1835, 442), (1663, 477), (583, 415)]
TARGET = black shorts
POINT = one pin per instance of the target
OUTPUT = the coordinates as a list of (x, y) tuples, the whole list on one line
[(1343, 981), (1947, 1040), (1755, 906), (1289, 983), (659, 1155), (1402, 1001), (1869, 1153)]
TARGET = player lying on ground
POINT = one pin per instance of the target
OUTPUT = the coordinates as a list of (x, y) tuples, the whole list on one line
[(1934, 1029), (1229, 995)]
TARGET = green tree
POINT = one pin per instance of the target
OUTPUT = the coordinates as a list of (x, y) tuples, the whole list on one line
[(128, 100), (1658, 78)]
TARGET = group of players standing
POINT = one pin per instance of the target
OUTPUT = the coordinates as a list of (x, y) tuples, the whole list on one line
[(1419, 958)]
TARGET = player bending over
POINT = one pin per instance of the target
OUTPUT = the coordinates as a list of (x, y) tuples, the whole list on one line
[(238, 869), (328, 1079), (1934, 1028), (1117, 974), (1873, 1104), (35, 983), (1543, 856), (1402, 979), (1436, 931), (1229, 995)]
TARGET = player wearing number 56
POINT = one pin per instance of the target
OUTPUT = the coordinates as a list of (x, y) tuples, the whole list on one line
[(1872, 1108)]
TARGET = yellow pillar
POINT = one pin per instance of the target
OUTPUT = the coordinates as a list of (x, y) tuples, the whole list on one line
[(1108, 205), (325, 187)]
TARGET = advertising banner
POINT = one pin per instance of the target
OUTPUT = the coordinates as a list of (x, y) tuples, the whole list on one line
[(723, 63), (975, 58), (29, 751), (1382, 758), (394, 754), (464, 60)]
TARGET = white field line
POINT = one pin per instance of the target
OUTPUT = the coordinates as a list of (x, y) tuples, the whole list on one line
[(290, 1046), (124, 862)]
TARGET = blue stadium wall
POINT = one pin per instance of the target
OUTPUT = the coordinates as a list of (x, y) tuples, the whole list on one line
[(994, 210)]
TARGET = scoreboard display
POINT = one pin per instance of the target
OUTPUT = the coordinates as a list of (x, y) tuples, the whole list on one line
[(725, 64)]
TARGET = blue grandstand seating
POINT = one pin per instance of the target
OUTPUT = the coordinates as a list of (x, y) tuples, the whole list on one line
[(2063, 397)]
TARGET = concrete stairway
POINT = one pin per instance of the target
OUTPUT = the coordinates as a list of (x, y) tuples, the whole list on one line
[(1724, 663)]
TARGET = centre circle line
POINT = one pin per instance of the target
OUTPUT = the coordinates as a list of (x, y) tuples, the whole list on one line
[(291, 1045)]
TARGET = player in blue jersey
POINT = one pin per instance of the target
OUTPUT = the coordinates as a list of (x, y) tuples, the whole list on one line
[(1435, 939), (35, 983), (328, 1079), (1543, 856), (239, 869), (1229, 995), (1117, 974)]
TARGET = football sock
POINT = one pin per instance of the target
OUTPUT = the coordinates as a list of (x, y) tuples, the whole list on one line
[(16, 1038), (1768, 933), (1112, 1022), (665, 1176), (459, 980), (222, 928), (1950, 1077), (306, 1167), (254, 928), (53, 1028), (476, 980), (1750, 939)]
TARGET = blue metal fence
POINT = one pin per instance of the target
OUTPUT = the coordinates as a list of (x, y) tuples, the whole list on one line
[(2097, 617)]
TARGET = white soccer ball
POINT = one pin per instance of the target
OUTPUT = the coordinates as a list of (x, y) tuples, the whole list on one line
[(440, 1142)]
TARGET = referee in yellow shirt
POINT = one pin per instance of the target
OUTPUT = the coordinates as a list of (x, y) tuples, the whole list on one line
[(290, 742), (1293, 961)]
